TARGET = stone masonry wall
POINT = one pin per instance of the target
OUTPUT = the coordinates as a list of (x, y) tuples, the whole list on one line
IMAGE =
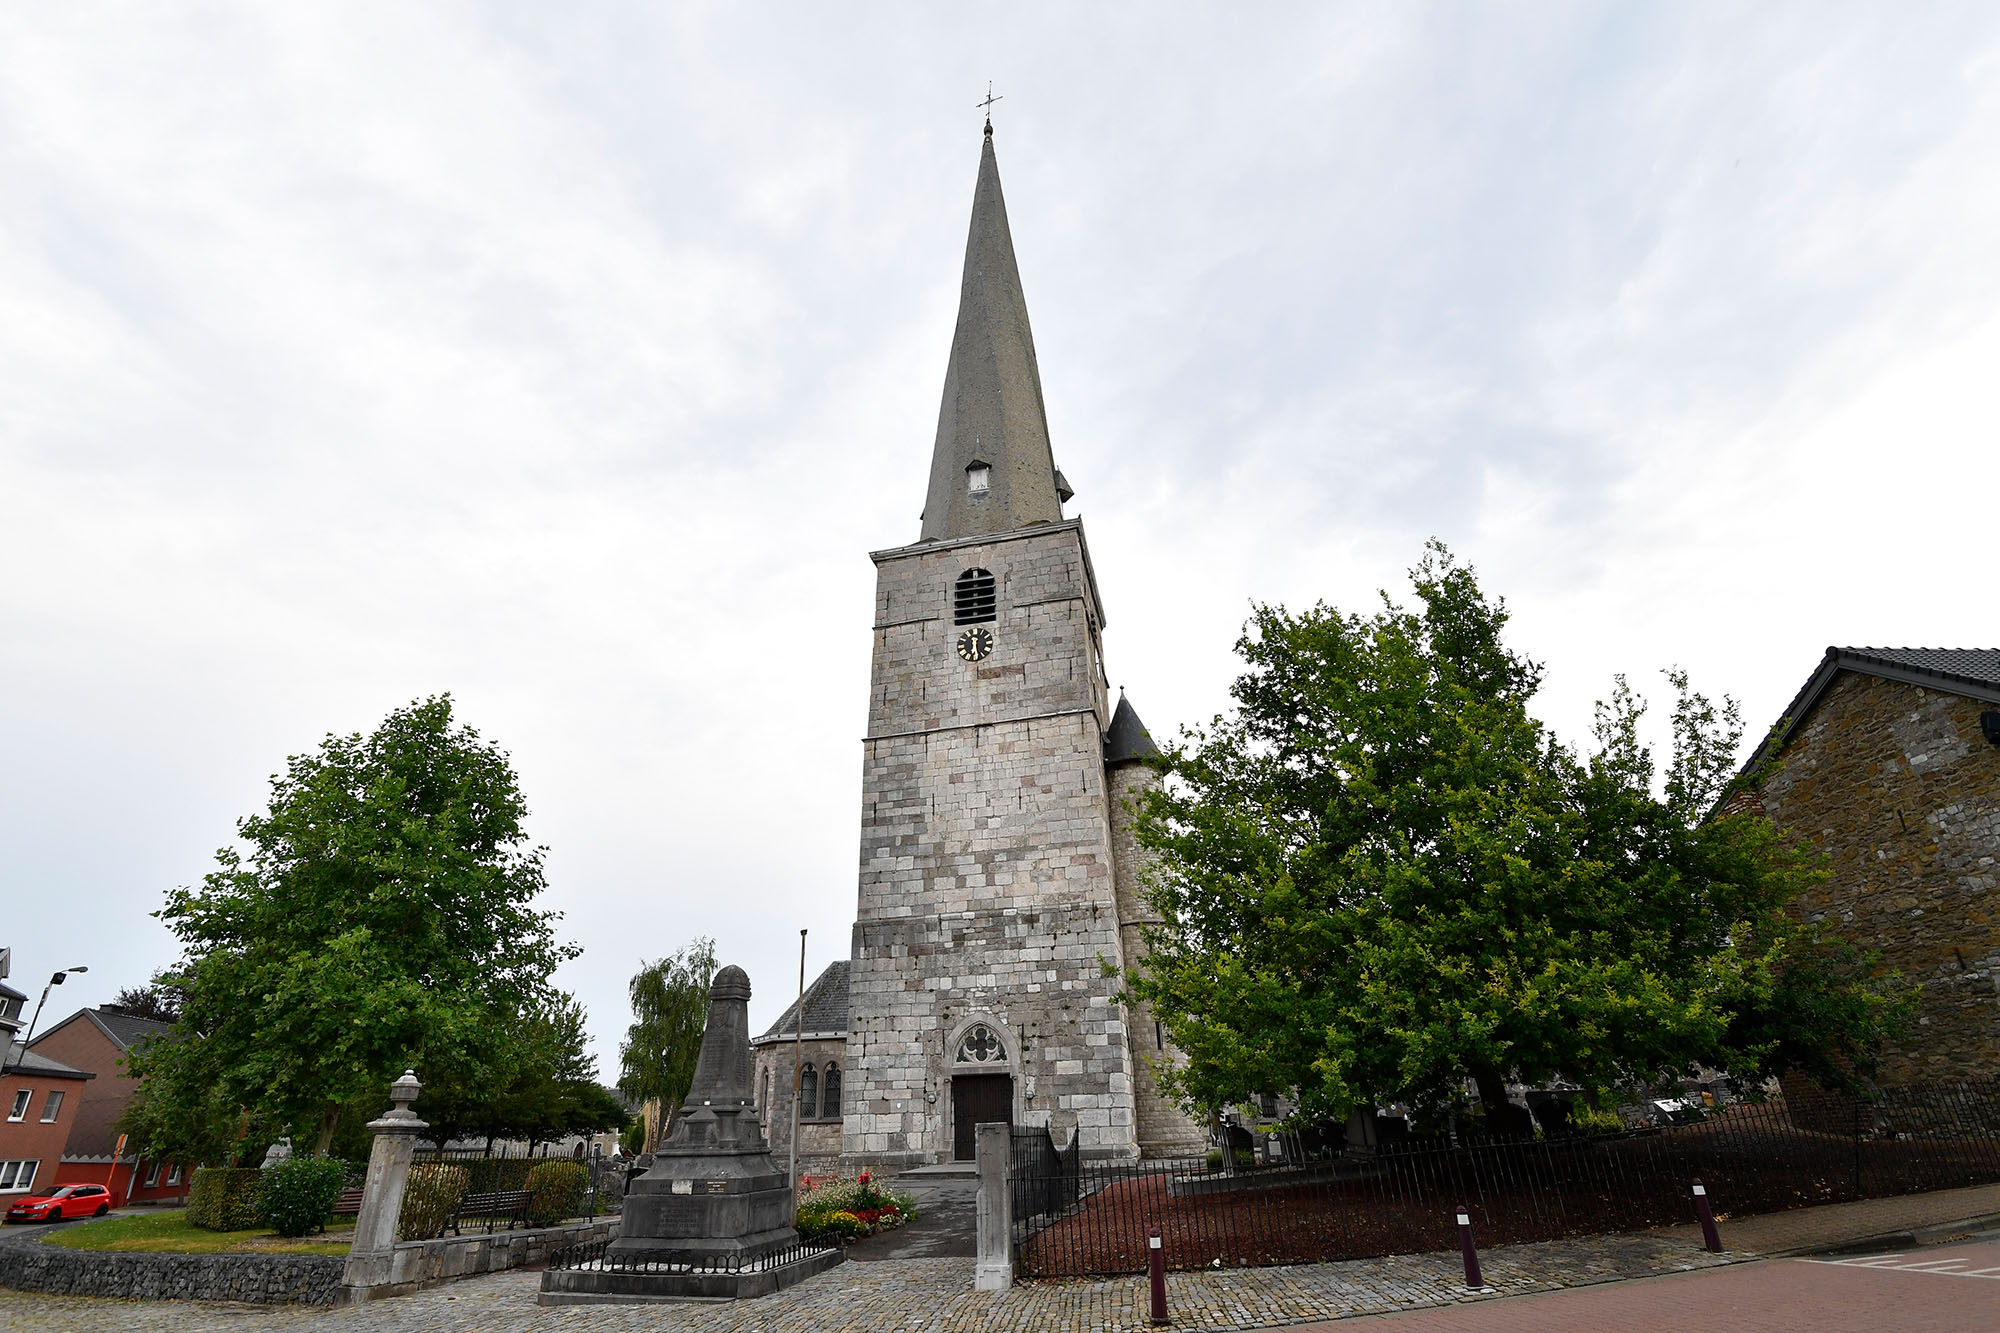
[(1164, 1130), (820, 1145), (1897, 785), (986, 864), (26, 1264)]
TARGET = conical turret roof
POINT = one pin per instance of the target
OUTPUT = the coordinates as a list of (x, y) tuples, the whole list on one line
[(992, 415), (1128, 738)]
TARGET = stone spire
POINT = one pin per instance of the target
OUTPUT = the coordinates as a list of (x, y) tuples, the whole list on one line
[(992, 417)]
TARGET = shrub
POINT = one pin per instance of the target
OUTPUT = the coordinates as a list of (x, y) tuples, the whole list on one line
[(299, 1192), (222, 1198), (556, 1188), (430, 1198)]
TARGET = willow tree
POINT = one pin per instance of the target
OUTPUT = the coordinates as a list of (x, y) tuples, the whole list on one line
[(1380, 876)]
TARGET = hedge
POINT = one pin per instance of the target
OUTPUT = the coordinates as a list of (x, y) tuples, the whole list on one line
[(299, 1192), (430, 1198), (224, 1198), (556, 1189)]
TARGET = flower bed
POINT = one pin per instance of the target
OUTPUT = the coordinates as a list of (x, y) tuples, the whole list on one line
[(850, 1209)]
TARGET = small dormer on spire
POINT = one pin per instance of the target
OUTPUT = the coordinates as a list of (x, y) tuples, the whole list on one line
[(991, 469)]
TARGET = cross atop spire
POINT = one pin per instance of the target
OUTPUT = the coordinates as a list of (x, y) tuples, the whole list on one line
[(988, 104), (992, 469)]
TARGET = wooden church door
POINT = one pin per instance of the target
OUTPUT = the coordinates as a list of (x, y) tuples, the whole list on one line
[(977, 1099)]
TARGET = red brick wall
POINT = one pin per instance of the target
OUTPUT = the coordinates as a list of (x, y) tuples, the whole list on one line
[(1896, 784), (29, 1138), (81, 1044)]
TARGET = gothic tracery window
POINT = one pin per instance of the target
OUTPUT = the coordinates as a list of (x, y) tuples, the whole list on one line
[(808, 1093), (830, 1103), (980, 1046)]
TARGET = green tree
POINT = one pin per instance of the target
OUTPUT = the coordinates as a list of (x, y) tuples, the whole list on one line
[(382, 918), (181, 1112), (542, 1086), (1380, 875), (669, 1011)]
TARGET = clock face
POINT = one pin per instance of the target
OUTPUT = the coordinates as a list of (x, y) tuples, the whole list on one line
[(974, 644)]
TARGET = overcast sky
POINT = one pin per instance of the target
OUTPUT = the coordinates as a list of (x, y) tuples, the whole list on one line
[(572, 358)]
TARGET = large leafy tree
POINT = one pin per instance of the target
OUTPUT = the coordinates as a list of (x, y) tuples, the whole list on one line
[(669, 1010), (1380, 876), (543, 1085), (381, 915)]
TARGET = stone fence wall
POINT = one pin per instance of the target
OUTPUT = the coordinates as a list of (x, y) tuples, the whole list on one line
[(414, 1265), (26, 1264)]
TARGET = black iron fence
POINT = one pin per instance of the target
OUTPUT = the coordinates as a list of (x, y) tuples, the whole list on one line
[(451, 1191), (592, 1255), (1073, 1218)]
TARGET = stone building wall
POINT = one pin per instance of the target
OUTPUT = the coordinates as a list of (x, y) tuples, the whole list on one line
[(1164, 1130), (1895, 783), (986, 865), (772, 1066)]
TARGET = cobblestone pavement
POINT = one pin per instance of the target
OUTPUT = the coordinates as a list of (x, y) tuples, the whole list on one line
[(915, 1296)]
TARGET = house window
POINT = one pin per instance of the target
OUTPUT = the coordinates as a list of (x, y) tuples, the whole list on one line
[(20, 1107), (153, 1176), (50, 1107), (972, 598), (830, 1106), (174, 1174), (808, 1093), (978, 479), (18, 1175), (979, 1046)]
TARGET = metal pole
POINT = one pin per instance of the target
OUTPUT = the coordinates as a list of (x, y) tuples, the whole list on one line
[(1156, 1268), (798, 1066), (1710, 1240), (54, 980), (1472, 1277)]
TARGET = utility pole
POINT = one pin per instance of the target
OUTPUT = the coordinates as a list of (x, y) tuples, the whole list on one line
[(798, 1065)]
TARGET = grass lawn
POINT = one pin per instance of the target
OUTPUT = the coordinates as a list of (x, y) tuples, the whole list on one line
[(169, 1231)]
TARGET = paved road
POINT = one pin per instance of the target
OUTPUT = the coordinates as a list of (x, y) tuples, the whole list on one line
[(1953, 1287), (947, 1225)]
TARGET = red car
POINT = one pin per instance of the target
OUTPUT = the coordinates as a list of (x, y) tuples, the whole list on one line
[(63, 1202)]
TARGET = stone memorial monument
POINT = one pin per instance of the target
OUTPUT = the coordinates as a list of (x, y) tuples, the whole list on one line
[(712, 1219)]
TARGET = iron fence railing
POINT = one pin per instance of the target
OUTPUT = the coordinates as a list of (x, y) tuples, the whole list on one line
[(451, 1191), (1075, 1218), (592, 1255)]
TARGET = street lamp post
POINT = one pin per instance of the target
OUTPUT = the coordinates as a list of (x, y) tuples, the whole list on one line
[(55, 980)]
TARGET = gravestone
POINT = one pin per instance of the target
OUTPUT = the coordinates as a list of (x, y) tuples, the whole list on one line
[(713, 1218)]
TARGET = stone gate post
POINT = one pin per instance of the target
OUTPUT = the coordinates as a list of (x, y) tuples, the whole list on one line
[(995, 1270), (388, 1174)]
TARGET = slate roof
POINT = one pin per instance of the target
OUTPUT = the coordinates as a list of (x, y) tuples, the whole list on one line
[(26, 1061), (1972, 672), (121, 1028), (992, 410), (826, 1009), (1128, 738), (9, 993)]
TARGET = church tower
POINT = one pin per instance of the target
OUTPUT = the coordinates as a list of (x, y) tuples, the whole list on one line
[(989, 903)]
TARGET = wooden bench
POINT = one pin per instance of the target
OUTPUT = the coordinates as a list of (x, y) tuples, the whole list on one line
[(349, 1204), (509, 1204)]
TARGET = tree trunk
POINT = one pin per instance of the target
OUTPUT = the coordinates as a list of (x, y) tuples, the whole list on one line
[(329, 1121), (1492, 1084)]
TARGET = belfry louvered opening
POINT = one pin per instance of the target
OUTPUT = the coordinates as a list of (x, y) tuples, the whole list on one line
[(972, 598)]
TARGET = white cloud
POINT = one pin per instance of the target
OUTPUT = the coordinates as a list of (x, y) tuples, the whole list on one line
[(573, 361)]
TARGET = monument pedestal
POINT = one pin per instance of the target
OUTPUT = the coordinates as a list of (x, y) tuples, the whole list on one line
[(712, 1220)]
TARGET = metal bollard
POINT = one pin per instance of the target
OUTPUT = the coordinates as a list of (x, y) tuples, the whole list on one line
[(1156, 1268), (1710, 1238), (1472, 1277)]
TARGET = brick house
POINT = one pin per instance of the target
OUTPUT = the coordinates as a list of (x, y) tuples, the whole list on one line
[(97, 1041), (38, 1102), (1888, 760)]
